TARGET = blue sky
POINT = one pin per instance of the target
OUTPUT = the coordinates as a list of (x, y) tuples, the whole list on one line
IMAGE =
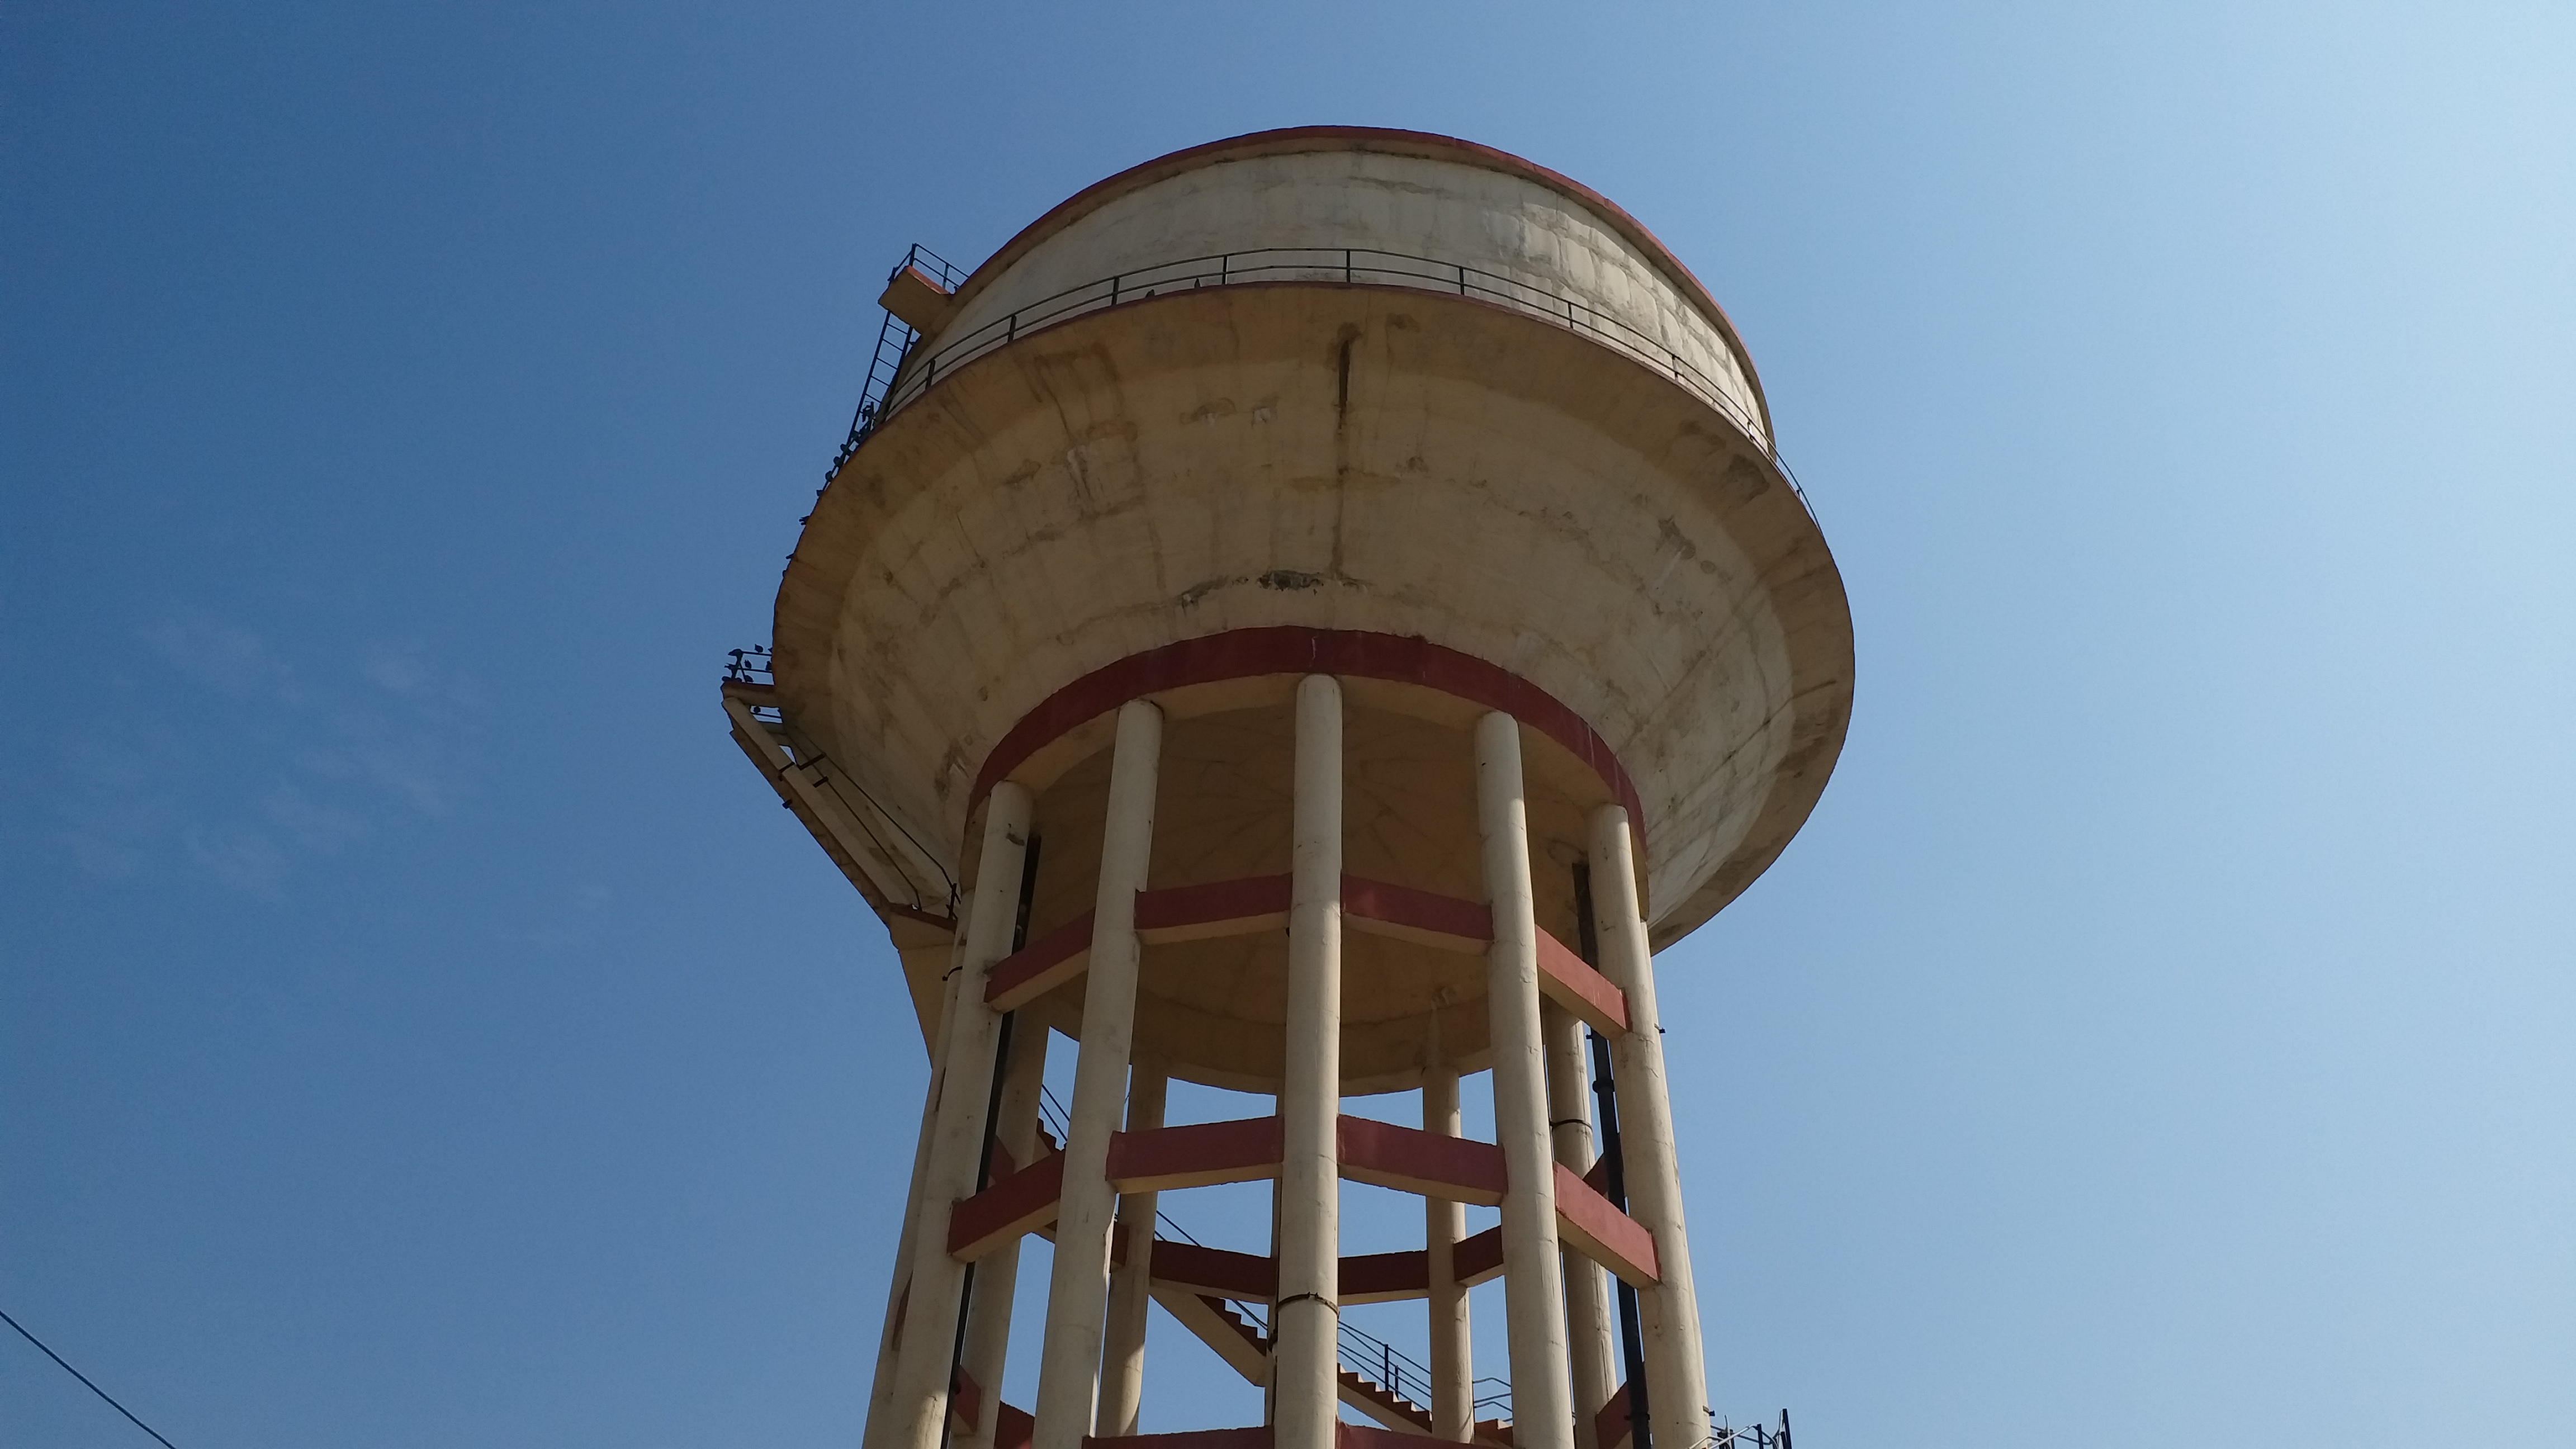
[(419, 1027)]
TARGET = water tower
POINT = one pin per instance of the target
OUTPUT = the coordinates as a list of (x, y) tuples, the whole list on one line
[(1310, 616)]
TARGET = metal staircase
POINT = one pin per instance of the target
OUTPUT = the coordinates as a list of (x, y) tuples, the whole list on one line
[(894, 342)]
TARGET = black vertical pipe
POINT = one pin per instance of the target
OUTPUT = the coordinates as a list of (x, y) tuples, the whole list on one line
[(1605, 1088)]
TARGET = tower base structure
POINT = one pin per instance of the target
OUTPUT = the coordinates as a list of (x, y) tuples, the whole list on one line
[(1309, 617)]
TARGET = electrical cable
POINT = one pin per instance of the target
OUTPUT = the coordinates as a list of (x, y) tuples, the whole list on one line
[(84, 1378)]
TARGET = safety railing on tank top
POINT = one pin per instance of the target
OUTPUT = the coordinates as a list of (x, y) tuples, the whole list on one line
[(905, 382)]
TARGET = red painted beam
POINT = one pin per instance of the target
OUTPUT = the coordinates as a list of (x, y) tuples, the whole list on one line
[(1347, 1435), (1019, 1203), (1385, 1277), (1386, 909), (1247, 1150), (1297, 649), (1217, 1271), (1570, 982), (1591, 1226), (1613, 1426), (1014, 1429), (1410, 1160), (1041, 966), (1478, 1256), (1223, 908), (1253, 1438)]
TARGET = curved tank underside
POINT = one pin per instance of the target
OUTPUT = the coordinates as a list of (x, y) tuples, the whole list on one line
[(1348, 458)]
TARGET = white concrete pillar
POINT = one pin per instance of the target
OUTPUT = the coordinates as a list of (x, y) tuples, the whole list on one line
[(881, 1390), (1668, 1313), (1306, 1324), (1453, 1373), (997, 1275), (1131, 1284), (1588, 1327), (1533, 1297), (1078, 1294), (917, 1412)]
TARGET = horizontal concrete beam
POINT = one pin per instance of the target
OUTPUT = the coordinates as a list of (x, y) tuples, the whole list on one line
[(1445, 923), (1257, 1437), (1223, 908), (1408, 1159), (1478, 1256), (1249, 1149), (1586, 994), (1591, 1226), (1614, 1426), (1200, 1155), (1041, 966), (1260, 903), (1220, 1272), (1020, 1203)]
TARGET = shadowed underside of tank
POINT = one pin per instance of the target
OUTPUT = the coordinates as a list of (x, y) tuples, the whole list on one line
[(1324, 461)]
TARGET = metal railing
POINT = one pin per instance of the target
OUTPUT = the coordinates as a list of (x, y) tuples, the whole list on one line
[(1751, 1436), (1353, 265), (894, 343)]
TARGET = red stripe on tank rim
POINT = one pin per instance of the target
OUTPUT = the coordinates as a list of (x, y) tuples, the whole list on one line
[(1295, 649)]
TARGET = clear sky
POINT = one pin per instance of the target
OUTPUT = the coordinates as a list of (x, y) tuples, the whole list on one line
[(420, 1027)]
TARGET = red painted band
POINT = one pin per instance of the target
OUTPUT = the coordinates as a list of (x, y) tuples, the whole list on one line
[(1176, 907), (1296, 649), (1038, 957), (1377, 900), (1216, 1270), (1243, 1150), (1614, 1425), (1620, 1236), (1477, 1255), (1570, 981), (1415, 1158), (1024, 1200), (1254, 1438), (1384, 1275)]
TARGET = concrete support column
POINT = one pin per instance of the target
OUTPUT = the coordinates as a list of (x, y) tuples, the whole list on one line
[(1676, 1373), (997, 1276), (917, 1412), (881, 1391), (1453, 1373), (1078, 1294), (1306, 1325), (1542, 1391), (1131, 1284), (1588, 1327)]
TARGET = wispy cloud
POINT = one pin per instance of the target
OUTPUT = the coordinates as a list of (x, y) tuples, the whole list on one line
[(236, 761)]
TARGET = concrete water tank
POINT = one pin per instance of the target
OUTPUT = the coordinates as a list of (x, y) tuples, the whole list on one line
[(1308, 616)]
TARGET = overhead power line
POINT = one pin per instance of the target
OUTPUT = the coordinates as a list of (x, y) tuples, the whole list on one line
[(84, 1378)]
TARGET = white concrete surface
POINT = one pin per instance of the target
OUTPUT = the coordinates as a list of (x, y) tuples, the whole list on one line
[(997, 1274), (1588, 1326), (1306, 1322), (1397, 195), (1077, 1295), (1131, 1284), (1668, 1312), (1542, 1391), (923, 1360), (1453, 1364)]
